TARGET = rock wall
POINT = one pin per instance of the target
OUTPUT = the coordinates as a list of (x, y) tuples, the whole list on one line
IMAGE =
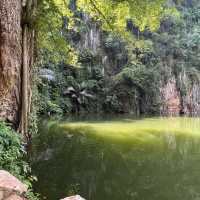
[(91, 39), (171, 99), (180, 95)]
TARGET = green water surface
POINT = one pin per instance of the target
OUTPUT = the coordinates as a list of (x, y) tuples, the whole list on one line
[(146, 159)]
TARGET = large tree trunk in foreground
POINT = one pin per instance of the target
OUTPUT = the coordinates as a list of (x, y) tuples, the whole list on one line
[(10, 59), (16, 59)]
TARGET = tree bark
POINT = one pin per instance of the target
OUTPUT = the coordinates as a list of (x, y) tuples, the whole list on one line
[(10, 60), (25, 77), (16, 59)]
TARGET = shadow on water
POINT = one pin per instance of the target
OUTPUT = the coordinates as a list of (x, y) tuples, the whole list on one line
[(149, 159)]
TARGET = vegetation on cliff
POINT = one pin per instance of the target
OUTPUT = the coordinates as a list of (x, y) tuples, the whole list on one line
[(134, 73)]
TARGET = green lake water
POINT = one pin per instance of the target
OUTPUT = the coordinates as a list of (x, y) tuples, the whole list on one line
[(145, 159)]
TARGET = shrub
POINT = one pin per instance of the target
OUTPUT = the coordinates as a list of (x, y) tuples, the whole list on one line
[(12, 153), (12, 156)]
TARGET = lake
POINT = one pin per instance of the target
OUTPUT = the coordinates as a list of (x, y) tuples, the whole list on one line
[(123, 159)]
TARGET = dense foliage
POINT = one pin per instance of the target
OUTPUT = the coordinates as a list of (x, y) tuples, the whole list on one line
[(13, 157), (11, 152), (117, 75), (86, 85), (55, 17)]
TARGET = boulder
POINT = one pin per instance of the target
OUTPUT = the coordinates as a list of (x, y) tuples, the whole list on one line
[(14, 197), (76, 197), (10, 187)]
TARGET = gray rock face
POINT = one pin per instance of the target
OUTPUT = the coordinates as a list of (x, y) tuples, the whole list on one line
[(76, 197), (10, 187)]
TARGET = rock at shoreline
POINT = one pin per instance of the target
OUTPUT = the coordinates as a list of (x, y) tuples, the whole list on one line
[(76, 197), (14, 197), (10, 187)]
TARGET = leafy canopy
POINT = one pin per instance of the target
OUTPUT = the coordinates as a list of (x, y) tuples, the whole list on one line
[(115, 13), (49, 25), (54, 16)]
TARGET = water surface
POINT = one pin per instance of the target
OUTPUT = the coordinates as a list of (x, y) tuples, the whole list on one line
[(146, 159)]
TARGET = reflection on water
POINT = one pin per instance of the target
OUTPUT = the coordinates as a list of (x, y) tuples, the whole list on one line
[(148, 159)]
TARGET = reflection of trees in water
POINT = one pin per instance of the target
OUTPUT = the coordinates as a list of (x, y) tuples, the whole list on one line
[(102, 170)]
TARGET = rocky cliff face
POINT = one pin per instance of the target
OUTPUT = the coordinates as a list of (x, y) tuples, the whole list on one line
[(107, 50), (181, 96), (91, 38), (177, 90), (190, 95), (171, 98)]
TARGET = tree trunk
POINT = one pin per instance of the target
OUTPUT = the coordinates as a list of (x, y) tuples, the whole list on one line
[(10, 60), (16, 60)]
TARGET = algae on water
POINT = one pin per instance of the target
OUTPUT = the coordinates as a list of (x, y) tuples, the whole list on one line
[(153, 158)]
